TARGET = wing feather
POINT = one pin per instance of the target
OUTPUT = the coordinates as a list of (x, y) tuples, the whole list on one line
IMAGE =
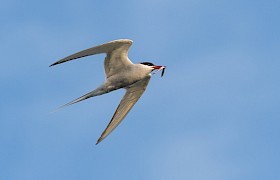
[(104, 48), (131, 96)]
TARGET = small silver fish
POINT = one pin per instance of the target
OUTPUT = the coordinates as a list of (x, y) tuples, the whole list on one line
[(162, 72)]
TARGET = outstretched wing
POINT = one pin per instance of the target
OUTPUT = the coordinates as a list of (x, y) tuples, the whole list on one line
[(116, 50), (133, 93)]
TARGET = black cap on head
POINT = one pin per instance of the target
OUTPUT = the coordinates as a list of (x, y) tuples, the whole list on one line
[(147, 63)]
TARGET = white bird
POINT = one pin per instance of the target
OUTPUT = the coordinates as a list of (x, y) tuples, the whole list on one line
[(120, 73)]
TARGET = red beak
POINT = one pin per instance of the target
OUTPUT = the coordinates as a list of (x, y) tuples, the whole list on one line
[(157, 67)]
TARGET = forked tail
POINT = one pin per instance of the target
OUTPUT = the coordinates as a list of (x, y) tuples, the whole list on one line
[(97, 92)]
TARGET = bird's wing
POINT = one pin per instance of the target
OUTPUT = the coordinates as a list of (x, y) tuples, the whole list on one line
[(117, 49), (133, 93)]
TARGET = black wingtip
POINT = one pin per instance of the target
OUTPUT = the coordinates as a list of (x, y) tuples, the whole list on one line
[(53, 64), (99, 140)]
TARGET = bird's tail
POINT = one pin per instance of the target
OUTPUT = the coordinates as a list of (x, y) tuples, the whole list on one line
[(97, 92)]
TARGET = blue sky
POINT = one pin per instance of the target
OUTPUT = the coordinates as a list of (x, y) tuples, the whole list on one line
[(214, 115)]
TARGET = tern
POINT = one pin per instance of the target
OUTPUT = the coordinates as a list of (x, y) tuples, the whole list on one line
[(120, 73)]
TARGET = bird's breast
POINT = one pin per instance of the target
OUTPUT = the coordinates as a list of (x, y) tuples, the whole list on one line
[(127, 77)]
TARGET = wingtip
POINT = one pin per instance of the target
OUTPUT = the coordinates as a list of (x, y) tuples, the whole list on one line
[(98, 141), (53, 64)]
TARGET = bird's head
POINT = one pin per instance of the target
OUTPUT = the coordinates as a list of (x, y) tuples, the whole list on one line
[(154, 67)]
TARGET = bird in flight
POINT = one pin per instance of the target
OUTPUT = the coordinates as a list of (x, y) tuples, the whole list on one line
[(120, 73)]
